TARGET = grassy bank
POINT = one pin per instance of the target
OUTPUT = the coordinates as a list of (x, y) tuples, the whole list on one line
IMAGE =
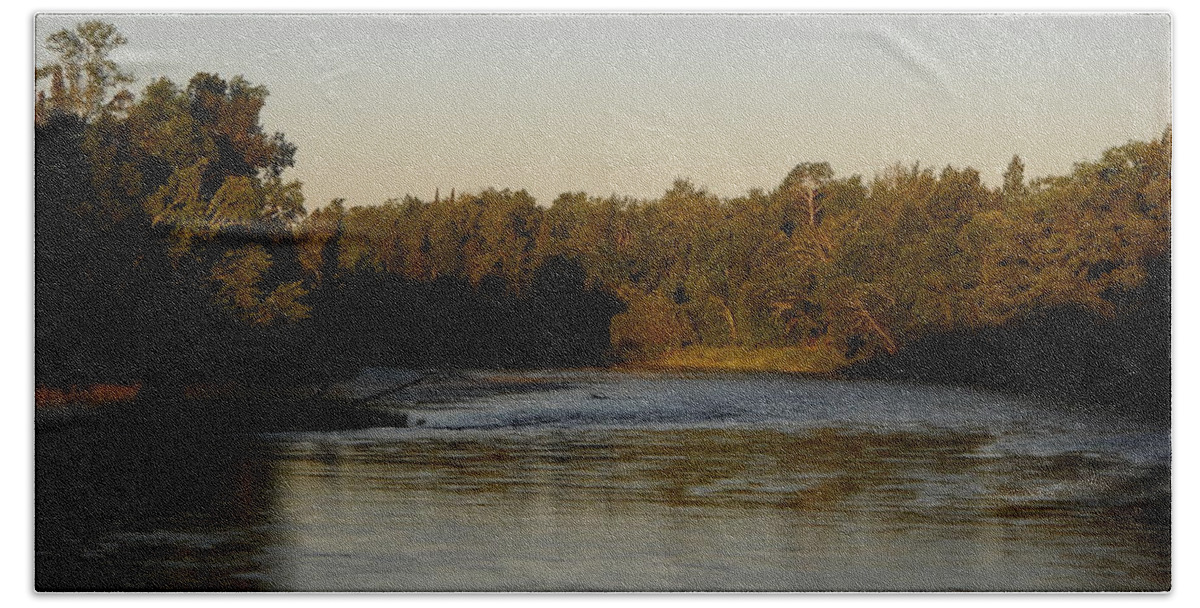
[(96, 394), (805, 360)]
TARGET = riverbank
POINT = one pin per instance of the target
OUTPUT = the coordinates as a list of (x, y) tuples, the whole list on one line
[(798, 360), (96, 394), (1062, 355), (378, 397)]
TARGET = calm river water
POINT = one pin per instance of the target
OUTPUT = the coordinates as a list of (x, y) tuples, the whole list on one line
[(616, 481)]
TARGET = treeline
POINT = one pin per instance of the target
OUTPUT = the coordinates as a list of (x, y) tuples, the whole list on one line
[(171, 250), (153, 218), (861, 267)]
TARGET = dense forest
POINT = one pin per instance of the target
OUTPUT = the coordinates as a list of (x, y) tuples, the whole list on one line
[(172, 251)]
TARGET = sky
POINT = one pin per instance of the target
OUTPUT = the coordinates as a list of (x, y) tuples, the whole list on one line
[(384, 105)]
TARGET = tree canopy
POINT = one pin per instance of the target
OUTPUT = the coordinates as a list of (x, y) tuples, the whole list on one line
[(170, 212)]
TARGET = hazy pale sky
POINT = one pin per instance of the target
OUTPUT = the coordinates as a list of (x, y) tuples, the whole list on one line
[(384, 105)]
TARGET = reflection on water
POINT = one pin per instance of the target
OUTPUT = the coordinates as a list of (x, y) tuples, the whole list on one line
[(707, 509), (148, 504), (766, 495)]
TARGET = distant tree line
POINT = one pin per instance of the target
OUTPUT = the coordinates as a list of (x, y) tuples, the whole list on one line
[(171, 250), (863, 267)]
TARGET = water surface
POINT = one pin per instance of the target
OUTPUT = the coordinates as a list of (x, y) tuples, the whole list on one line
[(613, 481)]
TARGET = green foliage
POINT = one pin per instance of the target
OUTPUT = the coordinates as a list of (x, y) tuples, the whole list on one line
[(650, 327), (1014, 188), (83, 77), (238, 277), (820, 263), (194, 163), (1079, 239)]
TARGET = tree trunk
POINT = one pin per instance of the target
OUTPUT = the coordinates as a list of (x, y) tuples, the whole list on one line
[(811, 198), (733, 335), (888, 343)]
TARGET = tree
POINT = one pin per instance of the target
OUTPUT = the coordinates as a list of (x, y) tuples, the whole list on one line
[(1083, 239), (83, 77), (238, 277), (165, 211), (320, 237), (1014, 181), (800, 192)]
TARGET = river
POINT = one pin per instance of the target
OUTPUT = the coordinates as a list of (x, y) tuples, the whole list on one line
[(602, 480)]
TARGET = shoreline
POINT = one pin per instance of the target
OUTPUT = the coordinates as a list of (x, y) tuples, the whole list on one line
[(813, 361)]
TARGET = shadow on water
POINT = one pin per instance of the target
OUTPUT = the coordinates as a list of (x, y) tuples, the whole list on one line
[(177, 494), (673, 492), (144, 498)]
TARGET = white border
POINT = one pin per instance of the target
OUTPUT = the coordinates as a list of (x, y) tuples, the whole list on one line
[(17, 249)]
